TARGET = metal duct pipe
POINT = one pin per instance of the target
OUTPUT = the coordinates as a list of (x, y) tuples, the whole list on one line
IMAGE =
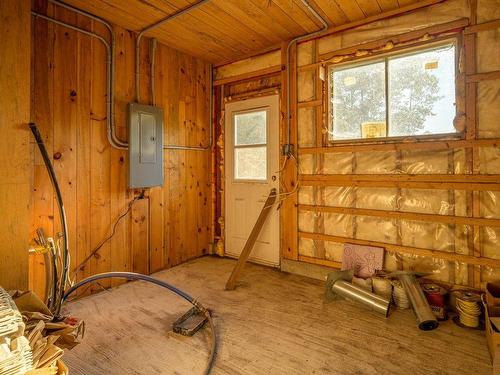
[(296, 40), (358, 294), (426, 319), (338, 284)]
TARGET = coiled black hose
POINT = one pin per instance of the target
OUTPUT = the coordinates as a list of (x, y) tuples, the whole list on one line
[(163, 284)]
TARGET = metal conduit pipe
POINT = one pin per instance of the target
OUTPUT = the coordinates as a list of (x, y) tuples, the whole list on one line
[(112, 137), (152, 75), (296, 40), (163, 284)]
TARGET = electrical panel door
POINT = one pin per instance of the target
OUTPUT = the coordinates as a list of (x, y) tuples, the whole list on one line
[(145, 146)]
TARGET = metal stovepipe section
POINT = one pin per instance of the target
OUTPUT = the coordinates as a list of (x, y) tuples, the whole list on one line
[(296, 40), (371, 300), (426, 319), (152, 75)]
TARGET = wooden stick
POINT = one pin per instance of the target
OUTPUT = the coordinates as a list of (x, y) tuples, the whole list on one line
[(247, 249), (479, 77), (407, 249), (444, 219)]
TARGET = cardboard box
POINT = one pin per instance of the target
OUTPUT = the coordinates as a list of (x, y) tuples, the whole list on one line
[(493, 294), (492, 335)]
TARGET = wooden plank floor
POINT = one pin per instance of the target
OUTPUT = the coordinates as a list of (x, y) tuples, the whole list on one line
[(273, 323)]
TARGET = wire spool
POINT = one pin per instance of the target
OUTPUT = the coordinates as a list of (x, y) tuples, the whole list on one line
[(382, 287), (436, 296), (468, 308), (399, 295)]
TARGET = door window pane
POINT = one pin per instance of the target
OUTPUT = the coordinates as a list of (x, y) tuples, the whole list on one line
[(422, 93), (250, 163), (250, 128), (358, 102)]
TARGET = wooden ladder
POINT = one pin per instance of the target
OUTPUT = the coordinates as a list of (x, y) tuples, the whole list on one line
[(245, 253)]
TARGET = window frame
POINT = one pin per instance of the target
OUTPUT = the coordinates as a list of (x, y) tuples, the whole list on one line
[(256, 145), (456, 41)]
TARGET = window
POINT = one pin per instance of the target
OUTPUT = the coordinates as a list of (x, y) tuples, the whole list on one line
[(250, 145), (400, 95)]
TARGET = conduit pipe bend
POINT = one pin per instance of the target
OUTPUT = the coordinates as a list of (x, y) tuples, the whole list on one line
[(138, 72), (113, 139), (296, 40)]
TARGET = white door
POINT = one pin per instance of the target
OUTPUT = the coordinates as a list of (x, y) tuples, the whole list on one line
[(252, 164)]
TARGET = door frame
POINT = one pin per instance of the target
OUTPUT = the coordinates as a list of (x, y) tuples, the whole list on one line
[(230, 138)]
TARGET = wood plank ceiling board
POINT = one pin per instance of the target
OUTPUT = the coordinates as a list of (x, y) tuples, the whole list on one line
[(334, 14), (220, 31), (369, 7)]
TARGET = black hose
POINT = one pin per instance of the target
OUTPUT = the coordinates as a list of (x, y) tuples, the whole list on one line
[(62, 214), (138, 276)]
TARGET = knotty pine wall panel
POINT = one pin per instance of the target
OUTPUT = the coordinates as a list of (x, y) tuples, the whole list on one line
[(172, 224)]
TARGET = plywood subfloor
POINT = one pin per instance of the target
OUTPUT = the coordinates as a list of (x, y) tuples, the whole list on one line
[(274, 323)]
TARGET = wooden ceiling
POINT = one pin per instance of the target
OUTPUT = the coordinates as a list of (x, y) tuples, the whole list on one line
[(227, 30)]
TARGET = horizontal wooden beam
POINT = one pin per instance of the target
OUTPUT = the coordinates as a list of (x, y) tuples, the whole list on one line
[(429, 181), (310, 103), (249, 75), (479, 77), (321, 262), (402, 39), (401, 146), (495, 24), (454, 257), (444, 219)]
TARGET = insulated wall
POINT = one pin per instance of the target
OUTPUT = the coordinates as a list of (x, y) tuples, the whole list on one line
[(172, 223), (413, 199), (432, 204)]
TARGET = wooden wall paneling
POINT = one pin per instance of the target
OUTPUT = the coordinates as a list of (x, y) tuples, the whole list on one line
[(84, 69), (100, 170), (120, 243), (65, 117), (15, 32), (139, 231), (157, 238), (140, 236), (174, 207), (41, 113), (288, 212)]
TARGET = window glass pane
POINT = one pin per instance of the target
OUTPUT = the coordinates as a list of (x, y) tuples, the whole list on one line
[(358, 102), (422, 93), (250, 163), (250, 128)]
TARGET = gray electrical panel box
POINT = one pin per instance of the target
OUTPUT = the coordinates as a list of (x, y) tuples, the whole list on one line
[(145, 146)]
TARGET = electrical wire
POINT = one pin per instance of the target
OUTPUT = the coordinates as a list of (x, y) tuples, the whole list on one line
[(113, 231)]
